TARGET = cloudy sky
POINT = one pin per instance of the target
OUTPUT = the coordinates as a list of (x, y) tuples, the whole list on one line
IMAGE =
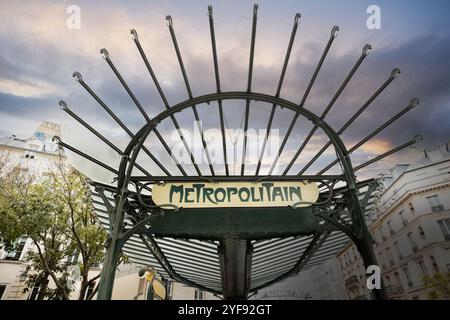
[(39, 53)]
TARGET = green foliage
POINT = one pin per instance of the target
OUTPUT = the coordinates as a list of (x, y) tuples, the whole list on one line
[(438, 286), (56, 212)]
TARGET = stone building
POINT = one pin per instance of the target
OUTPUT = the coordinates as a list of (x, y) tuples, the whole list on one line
[(410, 227)]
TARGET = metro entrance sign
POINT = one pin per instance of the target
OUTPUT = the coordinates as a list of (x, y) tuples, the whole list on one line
[(235, 194), (243, 231)]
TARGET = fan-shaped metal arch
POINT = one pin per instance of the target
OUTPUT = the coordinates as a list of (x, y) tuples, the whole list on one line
[(251, 254)]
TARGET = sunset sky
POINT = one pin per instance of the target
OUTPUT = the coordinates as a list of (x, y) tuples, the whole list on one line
[(39, 54)]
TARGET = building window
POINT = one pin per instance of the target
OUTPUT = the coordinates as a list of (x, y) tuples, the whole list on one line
[(383, 237), (444, 224), (391, 231), (34, 293), (387, 279), (422, 233), (2, 290), (422, 267), (435, 204), (389, 255), (397, 280), (411, 208), (408, 276), (412, 242), (397, 248), (374, 239), (199, 295), (380, 259), (16, 253), (402, 218), (434, 265), (73, 259), (29, 154)]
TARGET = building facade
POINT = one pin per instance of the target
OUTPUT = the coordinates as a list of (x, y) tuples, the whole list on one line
[(410, 228)]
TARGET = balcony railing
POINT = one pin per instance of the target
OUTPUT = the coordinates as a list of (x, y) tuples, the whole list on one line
[(394, 291), (437, 208), (350, 281)]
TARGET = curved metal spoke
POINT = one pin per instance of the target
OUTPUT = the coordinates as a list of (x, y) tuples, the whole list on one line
[(394, 75), (105, 54), (166, 103), (189, 91), (413, 103), (80, 80), (364, 54), (249, 85), (64, 106), (217, 76), (280, 84), (333, 34)]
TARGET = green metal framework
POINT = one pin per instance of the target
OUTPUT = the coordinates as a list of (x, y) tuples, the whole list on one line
[(232, 253)]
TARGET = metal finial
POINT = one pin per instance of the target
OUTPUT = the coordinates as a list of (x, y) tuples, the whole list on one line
[(395, 73), (417, 138), (255, 9), (334, 31), (297, 18), (105, 53), (414, 102), (169, 20), (77, 76), (56, 139), (134, 34), (365, 50), (63, 104), (210, 11)]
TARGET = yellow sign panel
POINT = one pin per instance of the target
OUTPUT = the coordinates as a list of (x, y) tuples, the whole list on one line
[(235, 194)]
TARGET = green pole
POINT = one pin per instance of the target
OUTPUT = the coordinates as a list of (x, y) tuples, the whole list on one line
[(113, 249)]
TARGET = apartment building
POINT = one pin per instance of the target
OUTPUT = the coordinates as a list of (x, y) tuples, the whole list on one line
[(410, 229)]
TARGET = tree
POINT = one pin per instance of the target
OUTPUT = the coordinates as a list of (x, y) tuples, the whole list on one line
[(56, 212), (438, 285), (29, 208), (87, 235)]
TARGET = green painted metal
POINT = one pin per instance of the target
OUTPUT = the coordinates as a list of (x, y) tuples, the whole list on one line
[(242, 223), (235, 260), (130, 154)]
